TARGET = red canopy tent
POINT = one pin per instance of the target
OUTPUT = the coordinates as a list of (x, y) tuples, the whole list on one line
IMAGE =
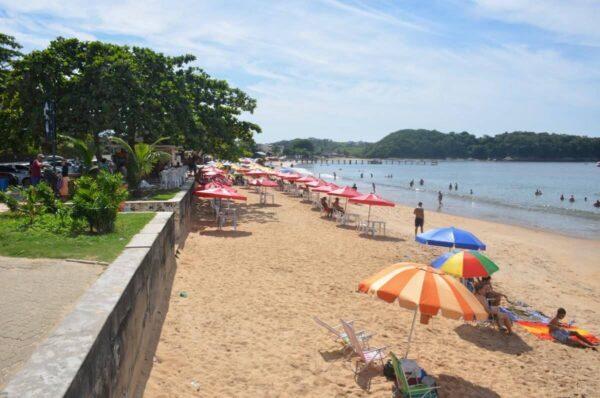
[(371, 199)]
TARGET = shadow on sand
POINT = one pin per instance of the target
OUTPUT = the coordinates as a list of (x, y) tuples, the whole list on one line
[(226, 233), (382, 238), (453, 386), (492, 340)]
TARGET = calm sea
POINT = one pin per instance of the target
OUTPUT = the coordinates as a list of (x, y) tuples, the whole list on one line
[(502, 191)]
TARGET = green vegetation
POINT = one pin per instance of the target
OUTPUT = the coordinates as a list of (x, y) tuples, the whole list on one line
[(97, 200), (432, 144), (131, 92), (40, 242), (142, 158), (164, 194)]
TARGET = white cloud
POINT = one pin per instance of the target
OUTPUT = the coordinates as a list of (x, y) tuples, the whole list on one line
[(574, 19), (342, 70)]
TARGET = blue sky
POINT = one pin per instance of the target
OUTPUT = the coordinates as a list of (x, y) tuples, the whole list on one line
[(357, 70)]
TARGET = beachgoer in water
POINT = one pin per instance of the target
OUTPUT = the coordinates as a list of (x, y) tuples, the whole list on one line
[(450, 186), (572, 199), (421, 182), (471, 192), (456, 186), (419, 217), (585, 198), (411, 183), (334, 176), (361, 175), (440, 197), (373, 187), (597, 203), (562, 197), (371, 175), (563, 335), (355, 187)]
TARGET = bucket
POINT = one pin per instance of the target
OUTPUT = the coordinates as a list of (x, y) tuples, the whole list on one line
[(3, 183)]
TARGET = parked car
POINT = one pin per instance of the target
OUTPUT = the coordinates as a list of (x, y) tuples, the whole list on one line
[(18, 171)]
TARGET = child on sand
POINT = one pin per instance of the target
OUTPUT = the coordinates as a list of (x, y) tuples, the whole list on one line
[(564, 335)]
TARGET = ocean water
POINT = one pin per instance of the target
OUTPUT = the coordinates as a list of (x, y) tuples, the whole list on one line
[(502, 191)]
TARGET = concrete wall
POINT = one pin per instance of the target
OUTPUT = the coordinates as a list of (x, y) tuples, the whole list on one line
[(104, 348), (180, 204)]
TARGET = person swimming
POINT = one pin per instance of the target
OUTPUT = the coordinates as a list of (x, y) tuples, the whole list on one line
[(597, 204), (562, 197), (572, 199)]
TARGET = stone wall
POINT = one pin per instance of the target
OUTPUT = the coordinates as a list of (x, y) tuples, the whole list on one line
[(105, 346), (180, 205)]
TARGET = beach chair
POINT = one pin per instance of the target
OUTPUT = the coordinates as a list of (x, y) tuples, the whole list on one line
[(339, 335), (410, 391), (367, 356)]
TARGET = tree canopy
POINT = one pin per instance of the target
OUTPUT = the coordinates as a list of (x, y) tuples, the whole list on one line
[(136, 93), (432, 144)]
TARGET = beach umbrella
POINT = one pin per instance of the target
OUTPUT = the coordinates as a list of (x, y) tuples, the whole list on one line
[(450, 237), (344, 192), (371, 199), (315, 183), (305, 179), (424, 289), (325, 188), (265, 182), (220, 193), (465, 264), (256, 173), (289, 176)]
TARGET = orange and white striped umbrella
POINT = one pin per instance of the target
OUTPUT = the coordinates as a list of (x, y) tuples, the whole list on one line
[(426, 289)]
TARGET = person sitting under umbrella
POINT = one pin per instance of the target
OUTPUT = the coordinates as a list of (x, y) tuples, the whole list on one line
[(337, 207), (501, 318), (328, 210), (494, 297)]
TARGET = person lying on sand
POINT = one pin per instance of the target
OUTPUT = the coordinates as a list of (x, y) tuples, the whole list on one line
[(564, 335), (501, 318)]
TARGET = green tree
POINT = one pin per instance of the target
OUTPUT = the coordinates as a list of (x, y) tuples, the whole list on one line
[(85, 150), (141, 160)]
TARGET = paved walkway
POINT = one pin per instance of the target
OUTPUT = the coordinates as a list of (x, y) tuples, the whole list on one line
[(35, 294)]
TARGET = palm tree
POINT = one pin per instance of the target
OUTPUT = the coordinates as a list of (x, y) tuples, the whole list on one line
[(141, 160), (85, 151)]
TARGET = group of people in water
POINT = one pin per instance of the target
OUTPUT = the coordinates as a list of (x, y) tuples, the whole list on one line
[(538, 192)]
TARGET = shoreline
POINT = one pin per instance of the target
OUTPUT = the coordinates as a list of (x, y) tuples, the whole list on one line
[(389, 191), (251, 295)]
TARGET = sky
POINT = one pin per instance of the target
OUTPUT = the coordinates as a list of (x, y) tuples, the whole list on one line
[(358, 70)]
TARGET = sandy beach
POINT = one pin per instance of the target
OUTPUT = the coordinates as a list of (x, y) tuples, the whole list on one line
[(246, 328)]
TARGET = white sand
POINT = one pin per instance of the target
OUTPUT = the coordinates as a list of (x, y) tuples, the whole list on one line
[(246, 328)]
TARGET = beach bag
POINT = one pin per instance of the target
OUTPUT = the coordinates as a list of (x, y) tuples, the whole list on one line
[(388, 371)]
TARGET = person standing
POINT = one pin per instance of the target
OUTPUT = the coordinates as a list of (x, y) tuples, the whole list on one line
[(35, 170), (419, 213), (64, 184), (421, 181), (440, 197), (450, 187)]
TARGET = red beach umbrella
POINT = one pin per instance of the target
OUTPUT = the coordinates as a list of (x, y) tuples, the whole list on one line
[(256, 173), (315, 183), (265, 182), (371, 199), (325, 188), (344, 192), (306, 179), (289, 176), (220, 193)]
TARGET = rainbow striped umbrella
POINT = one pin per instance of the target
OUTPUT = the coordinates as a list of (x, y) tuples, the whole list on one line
[(465, 264)]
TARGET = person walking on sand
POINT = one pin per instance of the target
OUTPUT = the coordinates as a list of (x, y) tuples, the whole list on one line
[(563, 335), (419, 217), (440, 197)]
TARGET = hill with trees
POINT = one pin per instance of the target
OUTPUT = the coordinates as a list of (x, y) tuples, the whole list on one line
[(432, 144)]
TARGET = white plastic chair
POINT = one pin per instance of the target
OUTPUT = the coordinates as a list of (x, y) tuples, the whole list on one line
[(367, 356), (339, 335)]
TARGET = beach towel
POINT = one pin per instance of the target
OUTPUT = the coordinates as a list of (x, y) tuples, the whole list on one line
[(541, 331)]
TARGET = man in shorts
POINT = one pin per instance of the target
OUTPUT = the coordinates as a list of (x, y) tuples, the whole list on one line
[(419, 217), (564, 336)]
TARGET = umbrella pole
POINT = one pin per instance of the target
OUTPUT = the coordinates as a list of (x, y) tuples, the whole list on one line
[(369, 216), (412, 328)]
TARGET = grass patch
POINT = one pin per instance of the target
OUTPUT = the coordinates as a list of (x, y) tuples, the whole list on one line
[(163, 194), (15, 241)]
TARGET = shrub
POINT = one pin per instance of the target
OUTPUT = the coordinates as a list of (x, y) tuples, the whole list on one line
[(36, 200), (9, 201), (97, 200)]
